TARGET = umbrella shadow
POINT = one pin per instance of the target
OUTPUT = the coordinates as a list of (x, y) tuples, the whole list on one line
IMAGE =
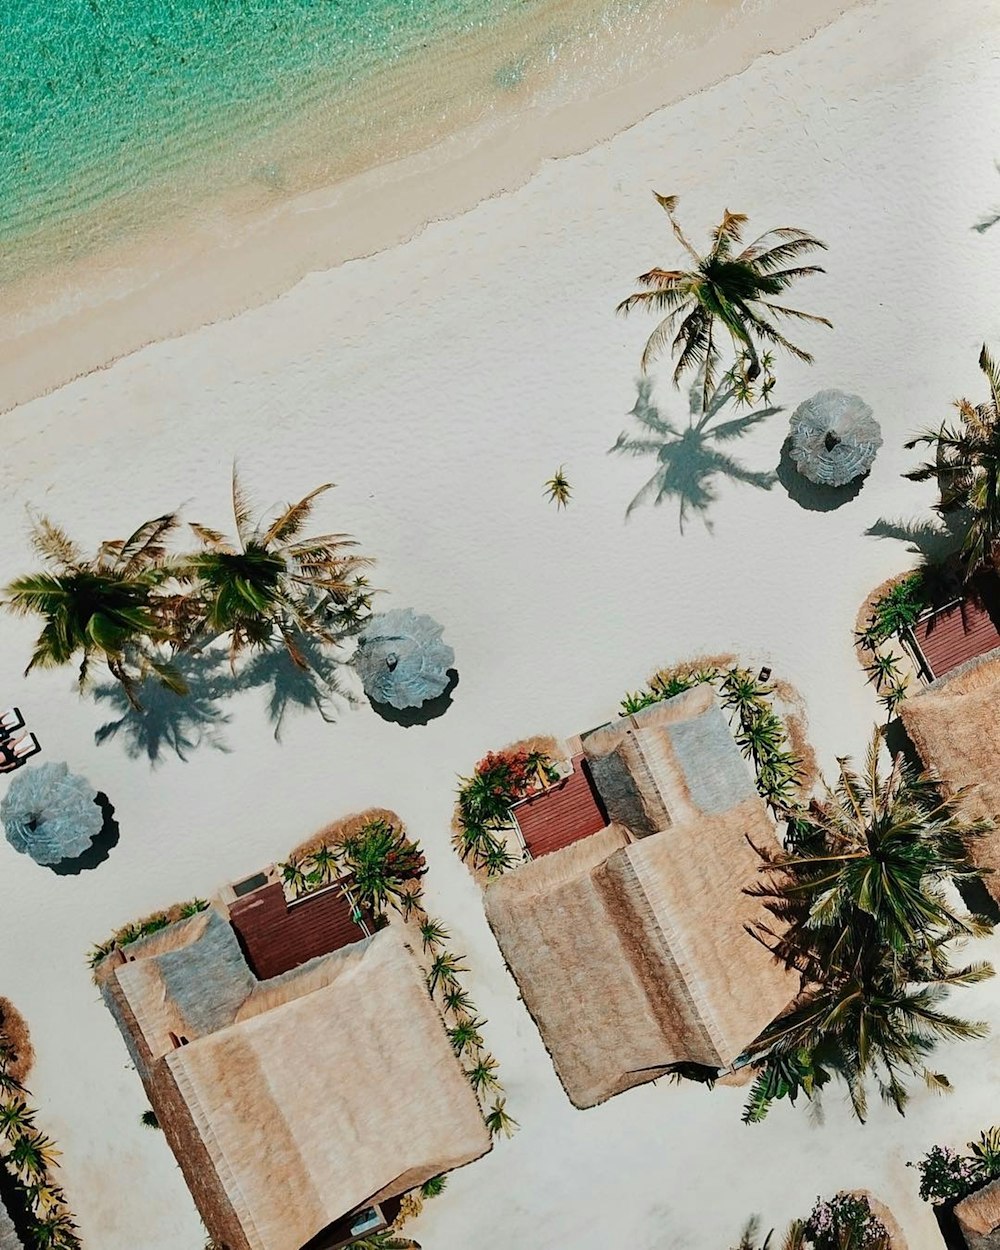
[(690, 459), (812, 496), (290, 687), (168, 722), (100, 848), (408, 717)]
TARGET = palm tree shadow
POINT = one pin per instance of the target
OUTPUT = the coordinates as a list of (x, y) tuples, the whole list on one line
[(933, 541), (690, 460), (292, 687), (168, 722)]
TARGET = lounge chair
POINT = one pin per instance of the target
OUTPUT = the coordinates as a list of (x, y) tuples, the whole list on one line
[(15, 751), (10, 722)]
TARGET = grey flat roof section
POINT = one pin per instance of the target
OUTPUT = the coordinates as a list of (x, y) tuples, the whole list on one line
[(9, 1239)]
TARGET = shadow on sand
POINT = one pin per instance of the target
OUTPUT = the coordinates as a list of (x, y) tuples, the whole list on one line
[(809, 495), (290, 687), (690, 459), (99, 849), (168, 722), (408, 717)]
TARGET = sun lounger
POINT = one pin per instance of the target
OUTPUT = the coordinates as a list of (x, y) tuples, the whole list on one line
[(10, 721), (15, 751)]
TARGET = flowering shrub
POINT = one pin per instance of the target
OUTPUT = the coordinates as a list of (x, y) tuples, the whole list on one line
[(948, 1175), (500, 779), (845, 1222)]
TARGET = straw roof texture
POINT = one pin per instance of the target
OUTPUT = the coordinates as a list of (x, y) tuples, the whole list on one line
[(632, 956), (9, 1239), (673, 761), (978, 1217), (954, 726), (306, 1096)]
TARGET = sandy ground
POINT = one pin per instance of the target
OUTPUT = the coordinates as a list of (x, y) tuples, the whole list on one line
[(440, 384)]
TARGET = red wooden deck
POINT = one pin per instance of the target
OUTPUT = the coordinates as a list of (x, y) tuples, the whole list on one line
[(562, 814), (277, 935), (957, 633)]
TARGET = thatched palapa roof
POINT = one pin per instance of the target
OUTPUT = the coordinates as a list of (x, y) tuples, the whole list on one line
[(304, 1097), (953, 724), (631, 952)]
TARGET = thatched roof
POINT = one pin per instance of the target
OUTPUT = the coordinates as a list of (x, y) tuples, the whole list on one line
[(954, 726), (978, 1217), (326, 1088), (673, 761), (632, 955), (9, 1239)]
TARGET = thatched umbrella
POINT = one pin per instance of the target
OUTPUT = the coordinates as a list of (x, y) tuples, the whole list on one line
[(402, 659), (834, 438), (50, 813)]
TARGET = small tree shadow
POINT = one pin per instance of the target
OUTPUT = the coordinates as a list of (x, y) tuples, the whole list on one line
[(167, 721), (990, 219), (422, 715), (292, 687), (690, 459), (99, 849), (812, 496)]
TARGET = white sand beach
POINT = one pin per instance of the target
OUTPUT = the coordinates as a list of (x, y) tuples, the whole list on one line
[(439, 383)]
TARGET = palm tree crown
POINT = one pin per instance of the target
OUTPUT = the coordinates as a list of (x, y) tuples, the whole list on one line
[(104, 606), (272, 582), (724, 293), (967, 469), (866, 922)]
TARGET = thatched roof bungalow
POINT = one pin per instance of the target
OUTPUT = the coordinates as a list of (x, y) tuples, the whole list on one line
[(954, 725), (978, 1217), (295, 1106), (630, 946)]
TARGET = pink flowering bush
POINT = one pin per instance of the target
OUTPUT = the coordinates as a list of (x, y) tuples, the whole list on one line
[(845, 1222), (947, 1175)]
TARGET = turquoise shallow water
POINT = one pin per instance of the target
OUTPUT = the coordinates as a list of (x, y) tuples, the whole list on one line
[(100, 97)]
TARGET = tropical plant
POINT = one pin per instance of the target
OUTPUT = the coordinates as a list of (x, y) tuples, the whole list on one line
[(444, 969), (432, 933), (271, 583), (865, 919), (499, 1120), (499, 780), (966, 467), (433, 1187), (845, 1222), (148, 1119), (896, 610), (482, 1074), (793, 1239), (464, 1034), (102, 608), (558, 488), (947, 1175), (380, 860), (723, 294)]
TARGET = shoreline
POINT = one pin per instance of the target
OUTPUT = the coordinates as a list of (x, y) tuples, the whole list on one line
[(238, 254)]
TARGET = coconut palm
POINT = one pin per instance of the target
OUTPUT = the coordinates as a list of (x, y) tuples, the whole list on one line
[(103, 607), (270, 582), (865, 920), (483, 1074), (881, 846), (724, 293), (558, 489), (966, 467)]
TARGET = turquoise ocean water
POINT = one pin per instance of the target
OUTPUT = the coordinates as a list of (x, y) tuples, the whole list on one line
[(101, 98)]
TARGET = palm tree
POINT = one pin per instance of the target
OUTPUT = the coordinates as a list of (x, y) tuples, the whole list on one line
[(464, 1034), (381, 860), (270, 583), (499, 1120), (866, 922), (483, 1074), (444, 970), (879, 849), (16, 1118), (104, 607), (558, 488), (724, 294), (967, 469)]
